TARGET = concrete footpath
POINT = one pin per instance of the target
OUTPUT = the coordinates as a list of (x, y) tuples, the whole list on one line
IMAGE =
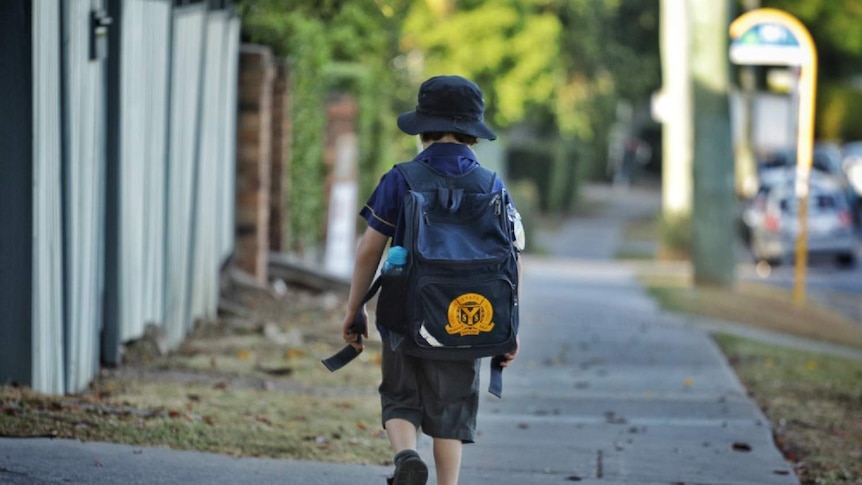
[(607, 389)]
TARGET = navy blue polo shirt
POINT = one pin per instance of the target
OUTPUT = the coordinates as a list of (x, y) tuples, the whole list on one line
[(384, 206)]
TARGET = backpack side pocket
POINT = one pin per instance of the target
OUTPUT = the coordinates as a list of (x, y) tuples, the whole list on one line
[(392, 304)]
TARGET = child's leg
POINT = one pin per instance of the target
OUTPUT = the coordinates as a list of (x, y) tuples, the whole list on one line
[(409, 467), (447, 460), (402, 434)]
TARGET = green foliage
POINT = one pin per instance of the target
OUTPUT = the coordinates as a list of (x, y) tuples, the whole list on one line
[(839, 113), (554, 57), (610, 53), (302, 40), (330, 46), (534, 162), (508, 47), (557, 64), (526, 196), (308, 104), (834, 26)]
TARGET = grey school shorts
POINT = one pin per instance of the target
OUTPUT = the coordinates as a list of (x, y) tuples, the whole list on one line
[(440, 397)]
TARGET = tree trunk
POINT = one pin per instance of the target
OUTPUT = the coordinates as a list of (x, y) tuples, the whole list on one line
[(713, 235)]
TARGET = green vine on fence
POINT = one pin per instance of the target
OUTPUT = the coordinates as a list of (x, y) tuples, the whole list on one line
[(329, 47)]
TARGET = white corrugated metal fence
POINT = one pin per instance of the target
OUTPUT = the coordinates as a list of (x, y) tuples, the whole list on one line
[(133, 170)]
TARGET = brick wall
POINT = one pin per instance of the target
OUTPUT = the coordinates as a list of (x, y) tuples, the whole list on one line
[(263, 156), (254, 149), (279, 229)]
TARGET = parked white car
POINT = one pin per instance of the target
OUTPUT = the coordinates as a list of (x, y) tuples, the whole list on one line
[(852, 165), (826, 161), (830, 225), (754, 210)]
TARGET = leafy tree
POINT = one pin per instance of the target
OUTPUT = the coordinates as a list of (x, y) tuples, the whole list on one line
[(835, 27), (611, 48), (548, 56), (559, 65), (330, 45), (507, 47)]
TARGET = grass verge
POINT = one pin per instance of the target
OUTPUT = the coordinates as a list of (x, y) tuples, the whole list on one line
[(250, 386), (753, 304), (213, 418), (814, 402)]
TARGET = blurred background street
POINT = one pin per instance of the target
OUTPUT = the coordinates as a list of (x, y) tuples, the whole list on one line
[(590, 236)]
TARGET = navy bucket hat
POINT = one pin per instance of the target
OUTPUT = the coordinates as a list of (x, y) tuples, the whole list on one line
[(449, 104)]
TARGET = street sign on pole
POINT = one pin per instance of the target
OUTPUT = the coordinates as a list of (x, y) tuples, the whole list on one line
[(768, 36)]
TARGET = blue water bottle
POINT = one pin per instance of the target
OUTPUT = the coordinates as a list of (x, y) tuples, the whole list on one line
[(396, 262)]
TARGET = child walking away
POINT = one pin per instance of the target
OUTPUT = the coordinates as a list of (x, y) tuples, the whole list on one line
[(453, 299)]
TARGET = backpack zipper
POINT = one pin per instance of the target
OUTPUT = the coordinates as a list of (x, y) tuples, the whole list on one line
[(497, 203)]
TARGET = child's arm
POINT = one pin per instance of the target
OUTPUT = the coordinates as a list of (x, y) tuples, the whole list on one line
[(368, 255)]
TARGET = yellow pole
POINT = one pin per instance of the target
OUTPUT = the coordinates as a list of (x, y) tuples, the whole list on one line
[(804, 150), (805, 137)]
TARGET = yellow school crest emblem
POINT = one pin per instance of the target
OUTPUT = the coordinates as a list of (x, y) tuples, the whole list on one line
[(470, 314)]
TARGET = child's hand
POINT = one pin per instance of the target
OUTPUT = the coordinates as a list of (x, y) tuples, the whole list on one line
[(507, 359), (348, 332)]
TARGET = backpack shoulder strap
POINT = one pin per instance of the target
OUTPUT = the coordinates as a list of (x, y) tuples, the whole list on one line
[(483, 178), (422, 178)]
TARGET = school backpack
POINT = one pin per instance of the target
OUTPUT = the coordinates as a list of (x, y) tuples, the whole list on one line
[(459, 297)]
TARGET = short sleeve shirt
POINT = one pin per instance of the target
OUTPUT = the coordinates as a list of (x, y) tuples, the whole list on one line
[(383, 208)]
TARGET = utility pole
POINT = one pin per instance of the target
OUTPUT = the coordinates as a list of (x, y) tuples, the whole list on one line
[(713, 234), (675, 111)]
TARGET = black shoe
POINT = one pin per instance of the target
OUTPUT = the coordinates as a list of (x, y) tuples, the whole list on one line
[(409, 469)]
